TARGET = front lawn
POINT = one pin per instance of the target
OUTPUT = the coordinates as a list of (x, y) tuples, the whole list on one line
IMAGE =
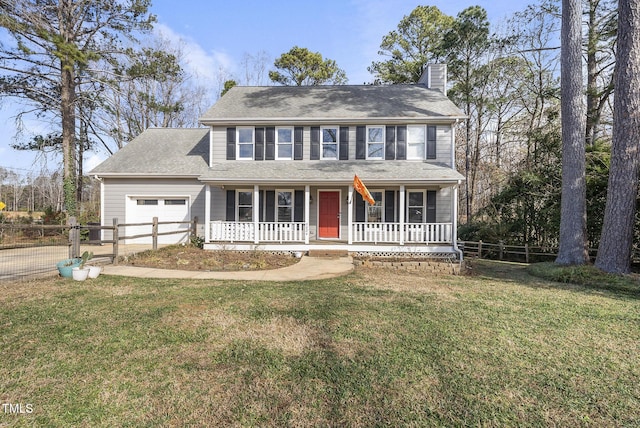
[(498, 348)]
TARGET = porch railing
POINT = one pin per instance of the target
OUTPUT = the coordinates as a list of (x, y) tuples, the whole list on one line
[(266, 231), (424, 233)]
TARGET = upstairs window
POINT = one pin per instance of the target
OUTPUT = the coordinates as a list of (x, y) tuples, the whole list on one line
[(284, 143), (416, 137), (375, 142), (245, 143), (329, 142)]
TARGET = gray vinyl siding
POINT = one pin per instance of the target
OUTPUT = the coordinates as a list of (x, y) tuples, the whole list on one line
[(443, 143), (438, 77), (117, 190)]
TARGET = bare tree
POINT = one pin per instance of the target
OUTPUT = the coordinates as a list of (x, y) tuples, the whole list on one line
[(616, 242)]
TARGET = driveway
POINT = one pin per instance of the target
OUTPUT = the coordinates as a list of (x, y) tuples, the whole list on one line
[(33, 262)]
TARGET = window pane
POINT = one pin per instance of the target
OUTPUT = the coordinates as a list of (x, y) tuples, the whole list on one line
[(285, 135), (284, 213), (284, 198), (246, 151), (175, 202), (416, 199), (415, 151), (375, 135), (244, 214), (415, 215), (415, 134), (330, 151), (147, 202), (374, 212), (245, 135), (376, 151), (329, 135), (245, 198), (285, 151)]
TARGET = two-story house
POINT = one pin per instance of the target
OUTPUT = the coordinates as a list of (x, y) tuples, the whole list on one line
[(275, 168)]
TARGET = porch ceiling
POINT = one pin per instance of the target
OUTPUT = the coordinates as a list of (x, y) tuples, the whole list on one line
[(330, 172)]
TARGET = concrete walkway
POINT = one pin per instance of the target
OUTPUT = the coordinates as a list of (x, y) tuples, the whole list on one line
[(308, 268)]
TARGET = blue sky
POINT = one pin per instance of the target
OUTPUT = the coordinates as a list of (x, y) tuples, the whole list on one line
[(218, 34)]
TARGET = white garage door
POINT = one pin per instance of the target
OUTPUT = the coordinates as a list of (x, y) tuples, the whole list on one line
[(167, 209)]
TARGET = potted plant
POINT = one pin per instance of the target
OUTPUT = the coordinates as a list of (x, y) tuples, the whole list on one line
[(80, 272), (65, 267)]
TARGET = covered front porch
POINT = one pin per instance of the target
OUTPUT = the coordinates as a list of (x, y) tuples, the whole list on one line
[(276, 213)]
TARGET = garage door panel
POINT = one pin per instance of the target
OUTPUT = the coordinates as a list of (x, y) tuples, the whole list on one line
[(166, 209)]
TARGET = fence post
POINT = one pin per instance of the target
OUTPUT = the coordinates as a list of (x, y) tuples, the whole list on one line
[(526, 253), (501, 246), (480, 249), (115, 238), (194, 230), (74, 238), (154, 233)]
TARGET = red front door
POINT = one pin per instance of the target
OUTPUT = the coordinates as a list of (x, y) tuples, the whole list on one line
[(329, 215)]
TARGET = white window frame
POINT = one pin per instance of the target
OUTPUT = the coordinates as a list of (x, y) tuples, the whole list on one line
[(238, 206), (279, 143), (292, 206), (239, 143), (423, 143), (367, 207), (382, 143), (423, 207), (337, 142)]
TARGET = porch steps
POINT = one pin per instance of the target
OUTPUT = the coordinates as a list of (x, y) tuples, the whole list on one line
[(328, 253)]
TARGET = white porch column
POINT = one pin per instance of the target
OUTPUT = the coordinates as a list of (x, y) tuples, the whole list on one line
[(350, 215), (454, 220), (207, 213), (401, 214), (306, 214), (256, 212)]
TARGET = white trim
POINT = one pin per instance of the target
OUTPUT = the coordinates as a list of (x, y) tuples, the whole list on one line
[(207, 212), (307, 202), (383, 142), (337, 143), (253, 142), (210, 146), (255, 212), (339, 214), (277, 205), (290, 128), (401, 206), (103, 210), (424, 143)]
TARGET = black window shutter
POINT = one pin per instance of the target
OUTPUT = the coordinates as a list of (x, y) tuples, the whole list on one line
[(361, 144), (359, 207), (270, 205), (389, 205), (297, 143), (431, 206), (298, 207), (344, 143), (259, 148), (231, 143), (390, 143), (270, 145), (431, 142), (231, 205), (261, 205), (401, 143), (315, 143)]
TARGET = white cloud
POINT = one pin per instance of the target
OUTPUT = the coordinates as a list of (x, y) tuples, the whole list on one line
[(205, 65)]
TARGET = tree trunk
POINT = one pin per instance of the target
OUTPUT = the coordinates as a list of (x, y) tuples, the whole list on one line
[(616, 242), (573, 218), (67, 110)]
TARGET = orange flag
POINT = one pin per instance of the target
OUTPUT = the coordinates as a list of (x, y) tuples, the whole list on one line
[(362, 189)]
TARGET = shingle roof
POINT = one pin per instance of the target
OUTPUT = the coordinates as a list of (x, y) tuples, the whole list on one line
[(324, 172), (326, 103), (162, 152)]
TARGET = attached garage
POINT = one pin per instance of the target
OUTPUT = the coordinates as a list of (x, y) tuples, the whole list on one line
[(142, 209)]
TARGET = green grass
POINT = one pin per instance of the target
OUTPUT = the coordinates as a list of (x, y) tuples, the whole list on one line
[(498, 348)]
